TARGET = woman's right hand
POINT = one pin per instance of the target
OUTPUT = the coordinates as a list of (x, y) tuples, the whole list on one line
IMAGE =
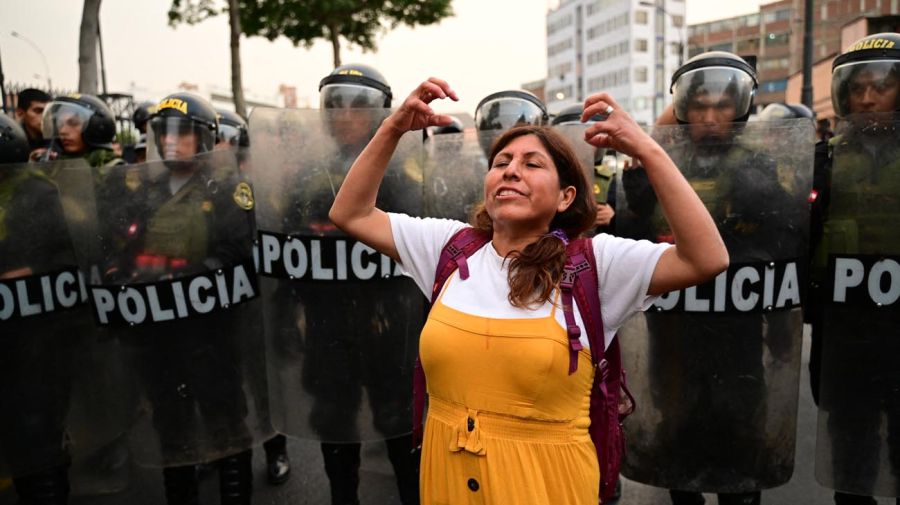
[(415, 114)]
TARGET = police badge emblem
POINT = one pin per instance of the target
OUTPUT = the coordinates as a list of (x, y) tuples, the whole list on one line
[(243, 196)]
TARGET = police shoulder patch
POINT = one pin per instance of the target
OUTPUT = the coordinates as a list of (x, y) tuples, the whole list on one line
[(243, 196)]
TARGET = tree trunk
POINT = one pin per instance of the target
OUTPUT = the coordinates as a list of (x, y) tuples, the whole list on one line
[(335, 45), (87, 48), (237, 88)]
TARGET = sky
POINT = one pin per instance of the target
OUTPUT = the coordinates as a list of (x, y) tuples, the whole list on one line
[(487, 46)]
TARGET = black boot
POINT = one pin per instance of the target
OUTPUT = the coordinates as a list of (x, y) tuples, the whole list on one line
[(278, 465), (754, 498), (852, 499), (49, 487), (406, 468), (181, 485), (342, 468), (236, 478), (686, 497)]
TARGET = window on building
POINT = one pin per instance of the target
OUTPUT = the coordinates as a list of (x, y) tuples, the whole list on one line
[(640, 45), (777, 39), (675, 48), (640, 17), (640, 74), (677, 21), (725, 46)]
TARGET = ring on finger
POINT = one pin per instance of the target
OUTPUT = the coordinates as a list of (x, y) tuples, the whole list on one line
[(609, 109)]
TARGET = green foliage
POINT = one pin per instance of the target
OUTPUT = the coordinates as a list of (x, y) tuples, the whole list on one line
[(304, 21), (193, 11)]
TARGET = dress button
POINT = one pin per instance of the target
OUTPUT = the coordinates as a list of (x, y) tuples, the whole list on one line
[(473, 484), (470, 424)]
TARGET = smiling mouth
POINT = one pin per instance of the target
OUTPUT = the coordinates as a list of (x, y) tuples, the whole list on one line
[(507, 192)]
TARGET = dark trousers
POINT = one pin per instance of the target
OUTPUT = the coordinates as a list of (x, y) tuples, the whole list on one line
[(342, 467)]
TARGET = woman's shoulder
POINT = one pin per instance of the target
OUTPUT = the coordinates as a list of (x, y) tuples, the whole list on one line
[(430, 226)]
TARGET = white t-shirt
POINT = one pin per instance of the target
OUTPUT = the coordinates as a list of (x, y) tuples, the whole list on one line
[(624, 269)]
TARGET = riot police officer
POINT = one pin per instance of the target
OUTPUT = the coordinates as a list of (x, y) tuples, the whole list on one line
[(853, 361), (604, 181), (35, 366), (136, 150), (232, 130), (502, 110), (356, 98), (141, 115), (195, 218), (80, 126), (707, 376)]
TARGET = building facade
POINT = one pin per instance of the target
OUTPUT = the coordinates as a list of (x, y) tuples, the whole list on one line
[(774, 35), (628, 48)]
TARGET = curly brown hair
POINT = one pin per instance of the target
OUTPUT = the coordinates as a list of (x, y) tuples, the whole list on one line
[(535, 271)]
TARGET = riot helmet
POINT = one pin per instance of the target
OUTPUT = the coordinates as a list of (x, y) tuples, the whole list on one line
[(503, 110), (178, 116), (77, 122), (713, 87), (572, 115), (232, 129), (141, 115), (356, 99), (14, 146), (866, 78), (354, 86), (777, 111), (455, 126)]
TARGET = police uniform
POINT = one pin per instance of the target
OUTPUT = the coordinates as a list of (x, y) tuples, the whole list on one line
[(355, 335), (707, 372), (854, 375), (182, 217), (35, 365)]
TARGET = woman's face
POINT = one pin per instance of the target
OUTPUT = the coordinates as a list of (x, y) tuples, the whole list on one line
[(522, 186)]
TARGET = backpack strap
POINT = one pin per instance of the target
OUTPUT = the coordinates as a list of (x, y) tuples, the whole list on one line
[(461, 245), (579, 280), (453, 256)]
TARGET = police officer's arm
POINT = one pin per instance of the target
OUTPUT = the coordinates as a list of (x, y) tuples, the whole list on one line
[(354, 209), (699, 253)]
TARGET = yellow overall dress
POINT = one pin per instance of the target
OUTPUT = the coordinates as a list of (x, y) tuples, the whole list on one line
[(506, 422)]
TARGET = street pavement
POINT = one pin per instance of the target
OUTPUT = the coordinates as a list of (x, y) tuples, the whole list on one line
[(309, 486)]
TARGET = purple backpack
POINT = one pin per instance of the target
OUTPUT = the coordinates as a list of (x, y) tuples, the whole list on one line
[(611, 402)]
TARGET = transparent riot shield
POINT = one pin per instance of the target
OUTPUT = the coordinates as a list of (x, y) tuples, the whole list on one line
[(592, 159), (46, 331), (715, 368), (455, 167), (858, 263), (171, 280), (342, 322)]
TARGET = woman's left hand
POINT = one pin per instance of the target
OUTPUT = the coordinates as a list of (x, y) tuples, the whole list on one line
[(618, 131)]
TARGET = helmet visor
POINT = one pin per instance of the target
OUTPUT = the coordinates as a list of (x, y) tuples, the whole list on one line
[(179, 138), (505, 112), (868, 86), (343, 96), (228, 134), (712, 95), (65, 121)]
